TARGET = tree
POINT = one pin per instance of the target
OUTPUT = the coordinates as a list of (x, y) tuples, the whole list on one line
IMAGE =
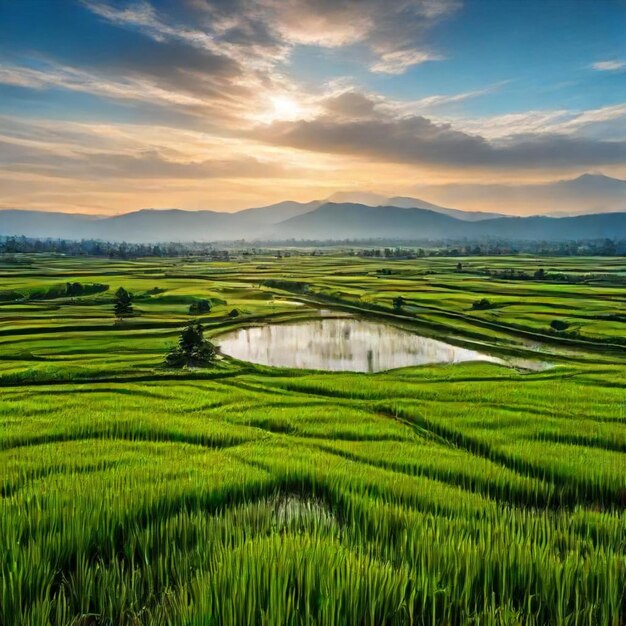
[(482, 305), (74, 289), (123, 304), (540, 274), (193, 350), (398, 303), (559, 325), (199, 307), (459, 267)]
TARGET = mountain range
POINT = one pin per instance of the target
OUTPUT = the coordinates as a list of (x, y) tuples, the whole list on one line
[(589, 193), (350, 215)]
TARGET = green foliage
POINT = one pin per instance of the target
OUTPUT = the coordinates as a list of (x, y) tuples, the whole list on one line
[(482, 305), (7, 295), (193, 349), (69, 290), (200, 307), (559, 325), (398, 303), (287, 285), (123, 306)]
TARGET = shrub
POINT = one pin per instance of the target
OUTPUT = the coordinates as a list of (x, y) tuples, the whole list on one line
[(286, 285), (200, 307), (482, 305), (398, 303), (9, 296), (559, 325)]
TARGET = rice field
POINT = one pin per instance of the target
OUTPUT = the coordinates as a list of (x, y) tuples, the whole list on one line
[(468, 494)]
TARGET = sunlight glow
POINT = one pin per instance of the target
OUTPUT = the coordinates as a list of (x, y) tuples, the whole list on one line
[(285, 108)]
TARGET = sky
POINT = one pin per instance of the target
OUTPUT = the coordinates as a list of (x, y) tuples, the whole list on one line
[(109, 106)]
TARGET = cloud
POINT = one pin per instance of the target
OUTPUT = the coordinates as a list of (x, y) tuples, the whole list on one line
[(398, 61), (218, 63), (103, 151), (70, 78), (262, 32), (145, 165), (394, 32), (213, 100), (439, 101), (229, 29), (609, 66), (608, 122), (377, 133)]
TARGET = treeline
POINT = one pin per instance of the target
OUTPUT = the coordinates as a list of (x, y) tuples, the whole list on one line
[(542, 275), (69, 290), (368, 248), (601, 247), (286, 285), (112, 250)]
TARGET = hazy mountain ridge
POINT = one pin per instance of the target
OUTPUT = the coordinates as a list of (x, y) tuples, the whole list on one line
[(330, 221), (588, 193), (405, 202), (374, 217), (355, 221), (358, 221)]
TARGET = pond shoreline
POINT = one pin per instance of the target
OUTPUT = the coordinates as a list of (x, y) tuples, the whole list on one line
[(341, 343)]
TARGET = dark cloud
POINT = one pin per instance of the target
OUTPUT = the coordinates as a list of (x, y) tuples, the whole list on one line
[(355, 125), (350, 105)]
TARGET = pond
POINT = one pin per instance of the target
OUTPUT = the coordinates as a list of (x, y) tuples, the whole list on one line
[(340, 344)]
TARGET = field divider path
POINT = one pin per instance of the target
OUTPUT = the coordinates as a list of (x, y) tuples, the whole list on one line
[(151, 437), (566, 484), (448, 437), (515, 496)]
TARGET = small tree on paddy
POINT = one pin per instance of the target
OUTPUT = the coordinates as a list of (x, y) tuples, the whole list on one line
[(123, 304), (559, 325), (398, 303), (482, 305), (193, 350), (199, 307)]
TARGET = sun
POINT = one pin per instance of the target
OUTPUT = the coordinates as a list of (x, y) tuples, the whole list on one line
[(285, 108)]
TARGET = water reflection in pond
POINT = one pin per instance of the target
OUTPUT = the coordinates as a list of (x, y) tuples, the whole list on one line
[(339, 344)]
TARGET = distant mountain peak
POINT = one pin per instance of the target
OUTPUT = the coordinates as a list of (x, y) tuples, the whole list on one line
[(593, 176)]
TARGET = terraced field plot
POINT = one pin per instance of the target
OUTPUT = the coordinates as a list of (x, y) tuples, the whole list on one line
[(474, 493)]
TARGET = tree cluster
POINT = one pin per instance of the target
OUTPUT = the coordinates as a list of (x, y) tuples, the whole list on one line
[(193, 350), (69, 290), (200, 307)]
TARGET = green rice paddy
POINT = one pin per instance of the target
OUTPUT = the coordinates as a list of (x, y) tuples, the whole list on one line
[(468, 494)]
